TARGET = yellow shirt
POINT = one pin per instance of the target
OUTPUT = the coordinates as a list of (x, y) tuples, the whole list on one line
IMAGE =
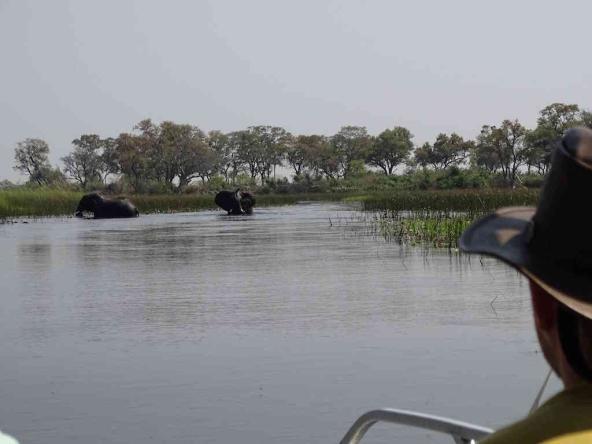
[(572, 438), (6, 439), (567, 412)]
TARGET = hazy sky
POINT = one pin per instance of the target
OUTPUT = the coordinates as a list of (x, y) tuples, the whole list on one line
[(74, 67)]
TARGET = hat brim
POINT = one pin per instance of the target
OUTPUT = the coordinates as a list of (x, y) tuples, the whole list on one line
[(505, 235)]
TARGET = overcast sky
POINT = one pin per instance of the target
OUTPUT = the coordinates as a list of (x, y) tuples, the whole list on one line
[(74, 67)]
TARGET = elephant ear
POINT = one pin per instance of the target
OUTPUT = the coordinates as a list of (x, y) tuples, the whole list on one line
[(97, 199), (225, 200)]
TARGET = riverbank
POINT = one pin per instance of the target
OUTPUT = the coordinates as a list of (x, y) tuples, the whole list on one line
[(42, 203)]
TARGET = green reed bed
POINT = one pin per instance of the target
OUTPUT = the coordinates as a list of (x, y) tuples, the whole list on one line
[(429, 228), (475, 201), (37, 203), (40, 202), (437, 218)]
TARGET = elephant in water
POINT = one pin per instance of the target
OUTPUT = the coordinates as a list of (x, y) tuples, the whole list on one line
[(235, 202), (103, 208)]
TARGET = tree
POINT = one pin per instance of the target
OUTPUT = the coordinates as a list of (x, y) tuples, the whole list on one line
[(586, 118), (54, 176), (31, 158), (160, 145), (485, 158), (247, 149), (423, 155), (553, 121), (507, 142), (391, 148), (350, 143), (220, 143), (446, 151), (83, 164), (322, 157), (133, 158), (300, 152), (185, 154), (271, 144), (109, 163), (559, 117)]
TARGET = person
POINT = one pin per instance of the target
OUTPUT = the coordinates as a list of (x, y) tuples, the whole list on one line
[(7, 439), (552, 246)]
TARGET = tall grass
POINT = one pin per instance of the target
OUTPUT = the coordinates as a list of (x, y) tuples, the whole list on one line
[(437, 218), (46, 202), (470, 201), (37, 203), (427, 228)]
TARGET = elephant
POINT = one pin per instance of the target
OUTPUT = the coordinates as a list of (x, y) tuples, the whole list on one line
[(103, 208), (235, 202)]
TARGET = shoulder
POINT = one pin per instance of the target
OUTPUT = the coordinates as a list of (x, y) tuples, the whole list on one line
[(6, 439), (572, 438), (526, 431), (568, 412)]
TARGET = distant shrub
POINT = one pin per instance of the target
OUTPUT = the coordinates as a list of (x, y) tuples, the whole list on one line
[(532, 180)]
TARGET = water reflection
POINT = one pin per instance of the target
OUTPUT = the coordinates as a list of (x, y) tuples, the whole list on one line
[(289, 320)]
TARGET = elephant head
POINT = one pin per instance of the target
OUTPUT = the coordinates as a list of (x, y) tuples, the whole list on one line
[(247, 202), (89, 203)]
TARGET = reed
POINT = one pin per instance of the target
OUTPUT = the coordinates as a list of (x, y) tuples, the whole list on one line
[(37, 203), (437, 218), (426, 228), (48, 202), (474, 201)]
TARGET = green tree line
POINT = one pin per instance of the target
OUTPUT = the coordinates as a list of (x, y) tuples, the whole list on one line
[(173, 155)]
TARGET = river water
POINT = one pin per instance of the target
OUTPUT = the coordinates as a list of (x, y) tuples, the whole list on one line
[(281, 327)]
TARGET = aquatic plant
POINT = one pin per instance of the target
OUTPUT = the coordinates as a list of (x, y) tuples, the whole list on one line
[(32, 202), (472, 201), (437, 218)]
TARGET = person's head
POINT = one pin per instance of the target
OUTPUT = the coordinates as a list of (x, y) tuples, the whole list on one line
[(565, 337), (552, 246)]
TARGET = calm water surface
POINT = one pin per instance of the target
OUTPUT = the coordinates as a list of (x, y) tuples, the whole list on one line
[(282, 327)]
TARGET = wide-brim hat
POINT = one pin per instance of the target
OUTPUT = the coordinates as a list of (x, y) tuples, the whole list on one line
[(552, 243)]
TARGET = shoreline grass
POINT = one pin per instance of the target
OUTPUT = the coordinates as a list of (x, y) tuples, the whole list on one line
[(471, 201), (45, 203)]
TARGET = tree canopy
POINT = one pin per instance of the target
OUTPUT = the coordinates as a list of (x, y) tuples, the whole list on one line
[(169, 156), (390, 148)]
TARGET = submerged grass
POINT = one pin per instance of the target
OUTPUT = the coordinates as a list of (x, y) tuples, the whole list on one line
[(40, 203)]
